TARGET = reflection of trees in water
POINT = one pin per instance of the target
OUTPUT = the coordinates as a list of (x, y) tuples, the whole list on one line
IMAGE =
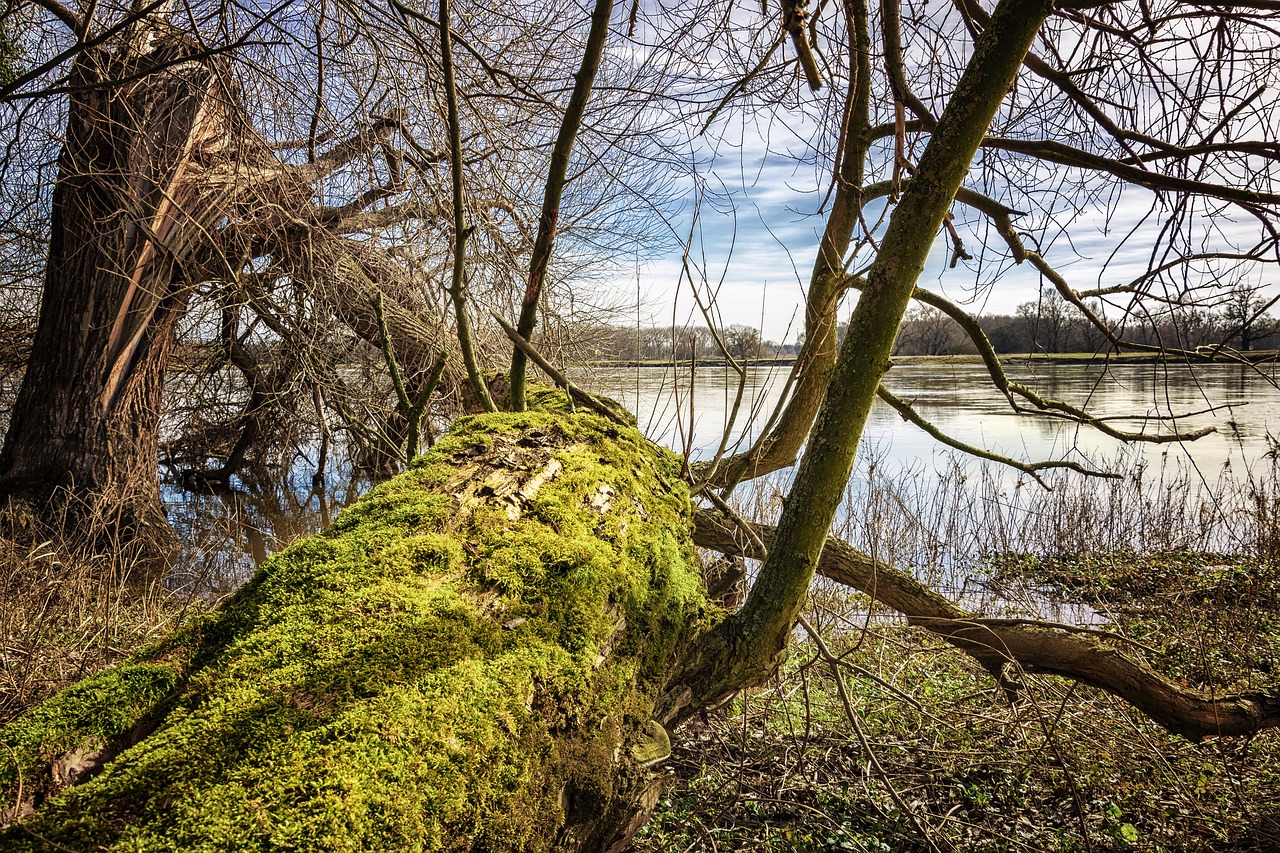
[(952, 395), (227, 527)]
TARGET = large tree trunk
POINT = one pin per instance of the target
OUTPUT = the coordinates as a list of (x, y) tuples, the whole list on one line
[(127, 210), (163, 184), (468, 659)]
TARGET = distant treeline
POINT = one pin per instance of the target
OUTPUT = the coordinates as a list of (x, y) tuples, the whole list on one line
[(1049, 325)]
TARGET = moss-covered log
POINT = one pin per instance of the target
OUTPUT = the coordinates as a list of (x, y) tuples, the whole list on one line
[(466, 660)]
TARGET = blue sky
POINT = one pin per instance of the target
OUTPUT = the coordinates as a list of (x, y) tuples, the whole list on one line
[(765, 178), (756, 252)]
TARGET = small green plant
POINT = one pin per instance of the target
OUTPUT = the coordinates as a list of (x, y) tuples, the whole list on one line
[(1123, 833)]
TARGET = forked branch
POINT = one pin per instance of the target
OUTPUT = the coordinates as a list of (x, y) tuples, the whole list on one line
[(557, 177)]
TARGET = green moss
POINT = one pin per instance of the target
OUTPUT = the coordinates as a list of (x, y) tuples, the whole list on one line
[(420, 676), (557, 400), (98, 711)]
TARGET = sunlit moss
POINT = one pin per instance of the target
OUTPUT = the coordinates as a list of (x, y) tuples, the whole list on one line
[(420, 676)]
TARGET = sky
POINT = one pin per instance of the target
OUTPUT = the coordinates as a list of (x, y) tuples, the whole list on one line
[(757, 255), (756, 235)]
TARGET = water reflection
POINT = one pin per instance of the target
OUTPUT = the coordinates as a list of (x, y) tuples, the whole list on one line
[(229, 531), (1239, 401)]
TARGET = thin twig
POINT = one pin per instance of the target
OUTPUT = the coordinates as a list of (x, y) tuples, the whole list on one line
[(557, 377), (834, 663)]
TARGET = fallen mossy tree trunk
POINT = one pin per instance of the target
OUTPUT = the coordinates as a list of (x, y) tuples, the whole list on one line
[(466, 660), (482, 654)]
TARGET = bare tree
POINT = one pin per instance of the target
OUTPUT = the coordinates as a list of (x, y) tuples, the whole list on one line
[(927, 331), (527, 591), (350, 205), (1070, 134), (743, 341), (1246, 318), (1051, 320)]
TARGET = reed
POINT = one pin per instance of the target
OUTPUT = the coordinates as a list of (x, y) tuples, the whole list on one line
[(895, 742), (968, 512)]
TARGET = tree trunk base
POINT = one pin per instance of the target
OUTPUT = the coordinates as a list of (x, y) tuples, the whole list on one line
[(135, 534)]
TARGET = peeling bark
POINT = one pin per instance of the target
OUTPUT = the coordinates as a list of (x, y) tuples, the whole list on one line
[(128, 211), (163, 184)]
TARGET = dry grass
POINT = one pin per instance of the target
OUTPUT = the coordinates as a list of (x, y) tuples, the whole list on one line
[(944, 763), (69, 607), (929, 755)]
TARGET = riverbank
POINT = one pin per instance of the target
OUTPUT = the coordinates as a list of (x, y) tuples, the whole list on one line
[(1225, 357), (927, 745), (935, 754)]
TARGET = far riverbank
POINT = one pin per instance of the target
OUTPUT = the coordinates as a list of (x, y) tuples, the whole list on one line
[(1224, 357)]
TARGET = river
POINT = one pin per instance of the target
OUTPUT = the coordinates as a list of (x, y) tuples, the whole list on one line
[(1238, 401), (911, 500), (921, 505)]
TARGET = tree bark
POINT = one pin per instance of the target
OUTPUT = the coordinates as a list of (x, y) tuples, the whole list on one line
[(163, 184), (468, 659), (127, 211), (484, 653)]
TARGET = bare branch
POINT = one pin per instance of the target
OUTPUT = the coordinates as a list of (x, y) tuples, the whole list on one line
[(557, 376), (461, 231), (891, 32), (795, 14), (1052, 151), (62, 13), (557, 170), (909, 414), (1043, 647)]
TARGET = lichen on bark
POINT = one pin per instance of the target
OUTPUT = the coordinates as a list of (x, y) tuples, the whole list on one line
[(467, 659)]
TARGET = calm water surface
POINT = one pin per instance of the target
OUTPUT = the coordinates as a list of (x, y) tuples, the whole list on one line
[(229, 533), (1239, 401)]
